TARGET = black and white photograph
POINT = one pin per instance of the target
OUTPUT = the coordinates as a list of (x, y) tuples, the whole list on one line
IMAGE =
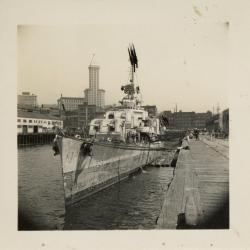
[(104, 144), (124, 120)]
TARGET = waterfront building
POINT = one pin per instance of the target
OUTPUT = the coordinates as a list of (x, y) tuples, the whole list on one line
[(213, 124), (184, 120), (225, 121), (29, 122), (26, 99), (94, 95), (80, 118), (200, 119), (219, 122), (70, 119), (70, 103), (86, 113), (187, 120)]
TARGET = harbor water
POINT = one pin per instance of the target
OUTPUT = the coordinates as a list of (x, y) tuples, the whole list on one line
[(135, 203)]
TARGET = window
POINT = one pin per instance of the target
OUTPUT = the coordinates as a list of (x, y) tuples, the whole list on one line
[(30, 121), (30, 126), (49, 123), (19, 126), (97, 128), (18, 120), (24, 120), (111, 129), (111, 116)]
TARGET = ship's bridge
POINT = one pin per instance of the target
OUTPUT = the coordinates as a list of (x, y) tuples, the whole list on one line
[(127, 114), (123, 121)]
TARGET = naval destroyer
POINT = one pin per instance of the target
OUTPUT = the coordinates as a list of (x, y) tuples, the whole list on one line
[(121, 143)]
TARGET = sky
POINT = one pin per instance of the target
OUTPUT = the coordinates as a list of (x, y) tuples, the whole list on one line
[(182, 54)]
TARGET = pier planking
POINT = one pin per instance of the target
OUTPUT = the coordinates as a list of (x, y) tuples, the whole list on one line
[(198, 196)]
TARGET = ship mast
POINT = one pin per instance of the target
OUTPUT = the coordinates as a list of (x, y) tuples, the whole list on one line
[(129, 89), (133, 61)]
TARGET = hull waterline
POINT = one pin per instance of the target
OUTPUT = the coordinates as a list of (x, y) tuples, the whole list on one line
[(89, 169)]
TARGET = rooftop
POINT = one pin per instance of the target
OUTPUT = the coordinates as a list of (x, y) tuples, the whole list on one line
[(27, 94), (94, 66), (70, 97), (36, 114)]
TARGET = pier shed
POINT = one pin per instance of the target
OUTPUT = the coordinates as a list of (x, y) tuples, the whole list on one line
[(29, 122)]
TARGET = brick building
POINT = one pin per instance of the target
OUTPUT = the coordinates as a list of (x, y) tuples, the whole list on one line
[(219, 122), (185, 120), (81, 117), (70, 103)]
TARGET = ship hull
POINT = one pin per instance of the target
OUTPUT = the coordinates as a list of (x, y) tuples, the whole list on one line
[(87, 172)]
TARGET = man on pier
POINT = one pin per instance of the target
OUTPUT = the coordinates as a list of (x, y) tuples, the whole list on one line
[(196, 134)]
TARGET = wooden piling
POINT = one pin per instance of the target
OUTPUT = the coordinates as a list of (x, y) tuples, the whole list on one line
[(35, 139)]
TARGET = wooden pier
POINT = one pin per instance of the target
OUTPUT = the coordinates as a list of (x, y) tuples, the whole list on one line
[(198, 196)]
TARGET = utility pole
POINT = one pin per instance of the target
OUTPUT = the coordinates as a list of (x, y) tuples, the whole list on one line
[(176, 110), (60, 107), (86, 116), (218, 108)]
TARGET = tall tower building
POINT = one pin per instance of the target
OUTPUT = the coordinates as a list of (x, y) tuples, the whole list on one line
[(93, 83), (93, 94)]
